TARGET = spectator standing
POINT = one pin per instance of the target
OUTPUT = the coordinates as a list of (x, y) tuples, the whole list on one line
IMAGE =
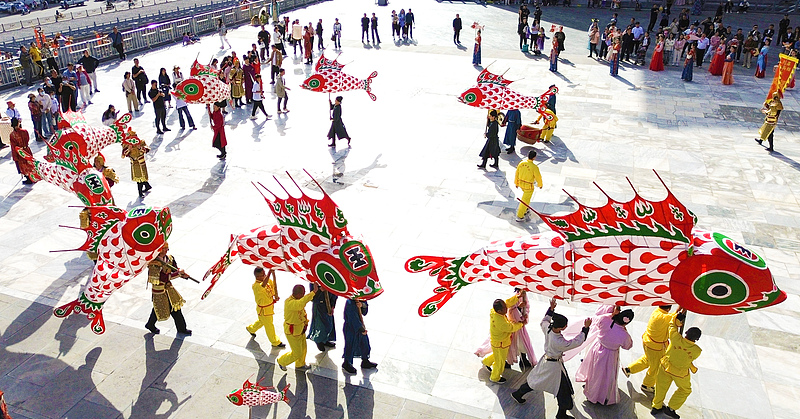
[(69, 81), (280, 91), (47, 117), (275, 60), (129, 88), (90, 64), (36, 116), (160, 108), (456, 29), (749, 48), (118, 42), (297, 36), (364, 28), (337, 34), (410, 23), (702, 45), (27, 64), (84, 86), (223, 34), (395, 26), (476, 52), (263, 41), (374, 27), (248, 74), (140, 78), (36, 58), (320, 44)]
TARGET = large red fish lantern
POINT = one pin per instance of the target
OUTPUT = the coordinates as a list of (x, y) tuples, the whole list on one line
[(310, 240), (204, 86), (492, 92), (635, 253), (329, 78)]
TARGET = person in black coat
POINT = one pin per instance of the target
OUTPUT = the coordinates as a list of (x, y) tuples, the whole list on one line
[(653, 18), (457, 29), (492, 147), (356, 339), (337, 126)]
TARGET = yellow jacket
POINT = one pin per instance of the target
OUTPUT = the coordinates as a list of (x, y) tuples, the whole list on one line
[(295, 319), (681, 352), (265, 298), (500, 328), (35, 54), (657, 334), (527, 176)]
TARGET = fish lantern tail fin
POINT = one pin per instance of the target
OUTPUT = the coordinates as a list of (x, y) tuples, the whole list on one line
[(219, 268), (285, 393), (94, 312), (447, 272), (368, 85)]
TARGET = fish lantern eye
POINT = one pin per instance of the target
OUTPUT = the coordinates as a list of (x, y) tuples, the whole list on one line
[(315, 82), (236, 398), (472, 96)]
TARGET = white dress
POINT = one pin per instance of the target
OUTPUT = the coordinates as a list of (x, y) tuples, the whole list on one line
[(546, 375)]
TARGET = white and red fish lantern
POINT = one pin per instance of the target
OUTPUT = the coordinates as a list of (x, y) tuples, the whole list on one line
[(492, 92), (635, 253), (125, 241), (553, 28), (476, 26), (203, 86), (255, 395), (311, 241), (329, 78)]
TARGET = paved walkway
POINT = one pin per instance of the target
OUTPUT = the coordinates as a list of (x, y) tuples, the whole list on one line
[(409, 186)]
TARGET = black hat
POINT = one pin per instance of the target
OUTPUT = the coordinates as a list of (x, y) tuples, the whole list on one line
[(339, 98)]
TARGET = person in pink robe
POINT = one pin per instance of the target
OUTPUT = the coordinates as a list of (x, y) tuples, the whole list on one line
[(521, 349), (600, 367)]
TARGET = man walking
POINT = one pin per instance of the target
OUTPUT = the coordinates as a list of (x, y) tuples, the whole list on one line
[(160, 108), (266, 295), (166, 299), (500, 330), (356, 339), (295, 322), (322, 329), (374, 26), (118, 42), (364, 28), (258, 98), (337, 125), (527, 177), (675, 367), (90, 64), (654, 342), (337, 34), (263, 40), (457, 30)]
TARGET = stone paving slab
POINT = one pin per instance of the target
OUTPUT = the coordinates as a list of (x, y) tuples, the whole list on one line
[(409, 186)]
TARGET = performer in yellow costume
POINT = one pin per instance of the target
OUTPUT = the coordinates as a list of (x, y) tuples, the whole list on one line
[(266, 295), (549, 125), (772, 109), (527, 177), (295, 322), (138, 165), (500, 330), (675, 367), (654, 341), (166, 299)]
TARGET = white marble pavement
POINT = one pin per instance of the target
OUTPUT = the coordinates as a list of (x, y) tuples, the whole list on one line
[(409, 186)]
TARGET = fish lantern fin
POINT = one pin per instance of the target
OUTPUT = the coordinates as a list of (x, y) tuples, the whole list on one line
[(93, 311), (285, 394), (216, 271), (96, 221), (368, 84), (447, 272), (319, 216)]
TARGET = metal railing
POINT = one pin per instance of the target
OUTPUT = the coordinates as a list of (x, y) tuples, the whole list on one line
[(149, 37), (67, 15)]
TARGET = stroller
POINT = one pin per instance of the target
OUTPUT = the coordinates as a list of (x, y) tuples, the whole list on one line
[(640, 56)]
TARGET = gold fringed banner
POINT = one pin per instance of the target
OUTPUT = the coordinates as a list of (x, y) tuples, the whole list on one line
[(784, 72)]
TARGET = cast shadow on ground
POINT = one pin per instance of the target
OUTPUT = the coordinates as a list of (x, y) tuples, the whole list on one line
[(508, 210), (299, 401), (776, 154), (154, 391), (175, 145), (534, 406), (14, 197), (338, 182), (625, 408), (188, 202), (326, 396), (359, 398), (556, 150)]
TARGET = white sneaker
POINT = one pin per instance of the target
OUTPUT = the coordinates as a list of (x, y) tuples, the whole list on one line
[(253, 117)]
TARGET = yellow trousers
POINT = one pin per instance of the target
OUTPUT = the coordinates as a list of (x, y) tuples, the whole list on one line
[(497, 361), (269, 327), (297, 344), (547, 133), (765, 131), (663, 382), (526, 198), (650, 361)]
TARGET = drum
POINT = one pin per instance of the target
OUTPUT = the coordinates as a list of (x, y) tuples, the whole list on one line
[(528, 134)]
